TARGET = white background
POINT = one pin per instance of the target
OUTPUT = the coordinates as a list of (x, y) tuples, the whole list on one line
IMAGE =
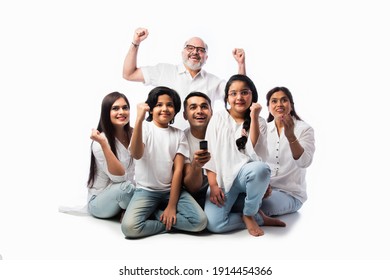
[(58, 59)]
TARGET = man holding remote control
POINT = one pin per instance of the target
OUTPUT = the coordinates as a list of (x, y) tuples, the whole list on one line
[(198, 112)]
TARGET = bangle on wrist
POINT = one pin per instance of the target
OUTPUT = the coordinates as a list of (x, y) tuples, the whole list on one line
[(134, 44), (296, 139)]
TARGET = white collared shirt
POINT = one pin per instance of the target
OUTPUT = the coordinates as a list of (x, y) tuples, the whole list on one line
[(288, 174), (226, 160)]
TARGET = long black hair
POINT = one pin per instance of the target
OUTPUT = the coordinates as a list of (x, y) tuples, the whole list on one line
[(105, 125), (241, 142), (287, 92)]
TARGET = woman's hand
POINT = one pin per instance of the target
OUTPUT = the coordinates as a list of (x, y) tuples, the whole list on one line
[(98, 137)]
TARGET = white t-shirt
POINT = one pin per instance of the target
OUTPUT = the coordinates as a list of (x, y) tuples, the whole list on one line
[(193, 144), (178, 78), (154, 170), (226, 160), (103, 177), (288, 174)]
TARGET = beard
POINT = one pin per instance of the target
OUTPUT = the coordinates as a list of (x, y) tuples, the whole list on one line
[(191, 65)]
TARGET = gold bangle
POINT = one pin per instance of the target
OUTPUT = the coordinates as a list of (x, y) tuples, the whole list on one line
[(135, 45), (296, 139)]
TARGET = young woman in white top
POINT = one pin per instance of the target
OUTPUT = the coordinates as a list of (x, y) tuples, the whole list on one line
[(236, 136), (111, 176), (291, 149), (160, 150)]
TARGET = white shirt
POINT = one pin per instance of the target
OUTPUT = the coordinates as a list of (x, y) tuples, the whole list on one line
[(288, 174), (153, 171), (178, 78), (103, 177), (193, 144), (226, 160)]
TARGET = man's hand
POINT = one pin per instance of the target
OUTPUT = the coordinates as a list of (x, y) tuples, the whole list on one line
[(140, 34)]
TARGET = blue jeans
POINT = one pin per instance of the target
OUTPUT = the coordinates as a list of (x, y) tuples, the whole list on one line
[(280, 203), (136, 222), (252, 179), (111, 200)]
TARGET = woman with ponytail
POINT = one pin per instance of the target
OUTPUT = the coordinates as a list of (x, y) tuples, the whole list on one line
[(237, 141)]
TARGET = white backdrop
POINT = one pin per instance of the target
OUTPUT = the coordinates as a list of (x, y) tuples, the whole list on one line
[(59, 59)]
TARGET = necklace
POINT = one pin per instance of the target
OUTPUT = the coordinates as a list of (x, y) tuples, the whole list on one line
[(123, 140)]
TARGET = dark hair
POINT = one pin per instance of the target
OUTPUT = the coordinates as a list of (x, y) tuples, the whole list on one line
[(195, 93), (153, 97), (241, 142), (105, 125), (289, 96)]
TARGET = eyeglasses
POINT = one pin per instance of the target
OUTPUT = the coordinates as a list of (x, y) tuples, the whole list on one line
[(191, 48), (244, 92)]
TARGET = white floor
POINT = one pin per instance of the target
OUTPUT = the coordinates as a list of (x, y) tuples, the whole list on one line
[(69, 237), (340, 230), (312, 233), (314, 240)]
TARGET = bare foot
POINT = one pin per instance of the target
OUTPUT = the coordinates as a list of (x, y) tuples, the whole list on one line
[(268, 221), (252, 226)]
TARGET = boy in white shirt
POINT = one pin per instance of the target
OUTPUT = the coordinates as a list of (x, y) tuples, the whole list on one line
[(160, 150)]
